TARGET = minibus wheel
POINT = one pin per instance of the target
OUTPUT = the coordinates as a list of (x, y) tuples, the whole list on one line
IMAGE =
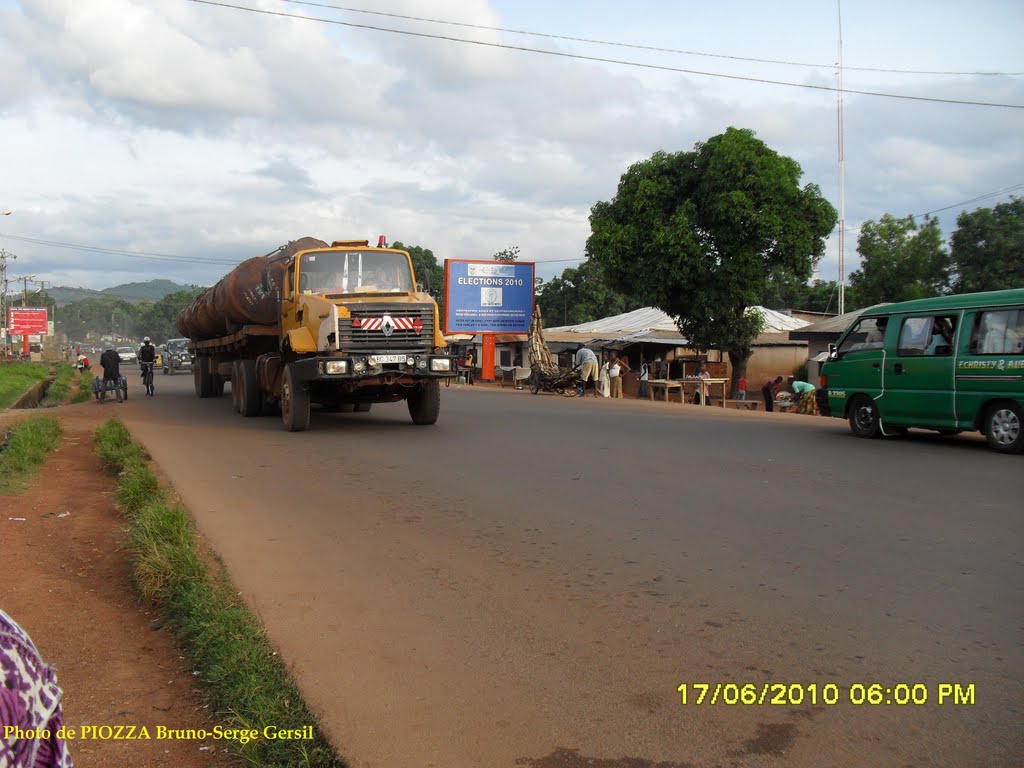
[(864, 417), (1004, 427)]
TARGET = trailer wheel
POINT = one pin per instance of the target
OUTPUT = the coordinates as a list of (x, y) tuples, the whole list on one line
[(250, 399), (294, 403), (236, 385), (202, 378), (425, 403)]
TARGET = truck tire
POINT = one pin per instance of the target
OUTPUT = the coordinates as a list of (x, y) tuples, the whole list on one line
[(294, 403), (425, 403), (250, 399), (236, 386), (201, 377)]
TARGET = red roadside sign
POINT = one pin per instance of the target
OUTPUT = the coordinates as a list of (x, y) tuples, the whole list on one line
[(27, 321)]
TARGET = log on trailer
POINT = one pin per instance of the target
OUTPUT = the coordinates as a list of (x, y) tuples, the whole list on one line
[(246, 295)]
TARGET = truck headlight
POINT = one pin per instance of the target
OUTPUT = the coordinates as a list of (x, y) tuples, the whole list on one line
[(440, 364), (410, 361), (337, 366)]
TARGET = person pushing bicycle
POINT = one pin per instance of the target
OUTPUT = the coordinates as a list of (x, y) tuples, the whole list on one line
[(147, 358)]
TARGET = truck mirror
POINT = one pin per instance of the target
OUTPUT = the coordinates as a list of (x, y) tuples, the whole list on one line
[(832, 350), (419, 287)]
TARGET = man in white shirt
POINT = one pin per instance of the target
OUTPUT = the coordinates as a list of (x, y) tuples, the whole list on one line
[(586, 362)]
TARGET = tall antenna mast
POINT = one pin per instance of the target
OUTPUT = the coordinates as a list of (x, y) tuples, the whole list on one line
[(842, 169)]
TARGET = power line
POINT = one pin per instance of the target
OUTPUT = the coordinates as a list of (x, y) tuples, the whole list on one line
[(968, 202), (641, 47), (602, 60), (116, 252)]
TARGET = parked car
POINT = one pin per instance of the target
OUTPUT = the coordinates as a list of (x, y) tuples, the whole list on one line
[(178, 357), (127, 354)]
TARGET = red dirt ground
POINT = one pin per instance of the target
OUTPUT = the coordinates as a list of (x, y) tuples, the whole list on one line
[(65, 578)]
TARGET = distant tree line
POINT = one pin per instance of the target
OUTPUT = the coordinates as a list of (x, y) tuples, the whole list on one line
[(115, 316)]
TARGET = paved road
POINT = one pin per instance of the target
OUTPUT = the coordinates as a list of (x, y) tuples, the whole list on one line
[(528, 582)]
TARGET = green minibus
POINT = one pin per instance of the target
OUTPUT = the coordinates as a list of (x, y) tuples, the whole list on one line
[(949, 364)]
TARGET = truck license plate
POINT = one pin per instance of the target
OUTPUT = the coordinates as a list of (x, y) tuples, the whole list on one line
[(390, 358)]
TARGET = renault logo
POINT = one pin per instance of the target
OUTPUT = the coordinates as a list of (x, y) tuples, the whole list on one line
[(387, 325)]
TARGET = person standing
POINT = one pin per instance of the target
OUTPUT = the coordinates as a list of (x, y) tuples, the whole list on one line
[(741, 388), (586, 362), (768, 392), (616, 369), (645, 374), (110, 361), (603, 382), (469, 367)]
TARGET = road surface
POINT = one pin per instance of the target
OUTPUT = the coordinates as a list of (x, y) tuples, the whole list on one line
[(529, 582)]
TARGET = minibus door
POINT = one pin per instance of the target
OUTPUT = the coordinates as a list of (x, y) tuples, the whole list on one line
[(920, 376)]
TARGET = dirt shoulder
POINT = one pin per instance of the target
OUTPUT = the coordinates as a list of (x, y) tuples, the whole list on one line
[(66, 581)]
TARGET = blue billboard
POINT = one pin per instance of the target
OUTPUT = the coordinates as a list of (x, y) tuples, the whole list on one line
[(487, 296)]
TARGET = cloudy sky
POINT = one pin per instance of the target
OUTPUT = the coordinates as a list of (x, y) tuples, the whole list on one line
[(171, 139)]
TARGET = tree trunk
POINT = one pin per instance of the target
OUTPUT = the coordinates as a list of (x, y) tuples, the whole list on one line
[(739, 359)]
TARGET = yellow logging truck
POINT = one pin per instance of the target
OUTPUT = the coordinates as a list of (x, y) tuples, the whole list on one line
[(343, 326)]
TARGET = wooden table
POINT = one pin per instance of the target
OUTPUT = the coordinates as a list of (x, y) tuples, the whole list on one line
[(667, 385), (681, 384)]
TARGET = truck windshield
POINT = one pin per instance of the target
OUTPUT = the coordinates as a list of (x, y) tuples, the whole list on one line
[(370, 271)]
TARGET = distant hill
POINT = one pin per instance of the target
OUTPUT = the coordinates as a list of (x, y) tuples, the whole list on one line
[(151, 290)]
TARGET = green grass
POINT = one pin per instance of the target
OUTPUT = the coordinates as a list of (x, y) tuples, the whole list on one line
[(84, 388), (24, 449), (60, 388), (245, 680), (18, 378)]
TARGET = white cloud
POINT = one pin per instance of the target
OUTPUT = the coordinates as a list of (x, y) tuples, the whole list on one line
[(179, 128)]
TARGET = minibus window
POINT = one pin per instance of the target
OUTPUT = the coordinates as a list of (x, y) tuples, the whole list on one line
[(868, 333), (998, 333), (927, 336)]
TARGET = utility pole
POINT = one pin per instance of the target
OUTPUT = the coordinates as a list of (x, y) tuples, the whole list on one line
[(4, 256)]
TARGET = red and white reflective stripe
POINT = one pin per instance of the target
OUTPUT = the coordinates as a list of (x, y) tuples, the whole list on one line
[(375, 323)]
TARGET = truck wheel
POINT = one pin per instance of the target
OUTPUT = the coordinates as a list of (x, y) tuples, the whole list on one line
[(864, 420), (425, 403), (1004, 427), (250, 399), (236, 387), (294, 403), (201, 377)]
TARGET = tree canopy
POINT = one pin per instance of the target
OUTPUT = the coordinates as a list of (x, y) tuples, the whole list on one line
[(699, 234), (987, 249), (900, 260), (427, 270)]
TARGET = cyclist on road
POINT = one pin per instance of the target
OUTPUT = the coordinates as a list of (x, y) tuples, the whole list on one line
[(147, 357)]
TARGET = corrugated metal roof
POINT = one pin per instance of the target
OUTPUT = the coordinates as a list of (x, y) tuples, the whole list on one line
[(653, 319), (836, 324)]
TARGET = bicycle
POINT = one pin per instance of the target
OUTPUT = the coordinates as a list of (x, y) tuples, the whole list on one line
[(147, 377)]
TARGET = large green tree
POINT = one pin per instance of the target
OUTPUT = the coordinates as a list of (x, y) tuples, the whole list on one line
[(987, 251), (428, 272), (699, 234), (900, 260), (157, 319)]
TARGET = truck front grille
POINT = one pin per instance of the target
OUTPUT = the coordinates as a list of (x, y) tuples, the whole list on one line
[(379, 327)]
